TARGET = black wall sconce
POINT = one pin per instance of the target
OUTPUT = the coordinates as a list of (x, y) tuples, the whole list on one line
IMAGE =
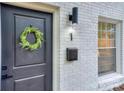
[(74, 16)]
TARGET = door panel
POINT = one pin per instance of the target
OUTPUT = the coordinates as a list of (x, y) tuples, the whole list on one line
[(29, 71), (31, 84), (26, 70), (38, 56)]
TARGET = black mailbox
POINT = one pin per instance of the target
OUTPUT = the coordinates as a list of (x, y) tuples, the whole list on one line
[(72, 54)]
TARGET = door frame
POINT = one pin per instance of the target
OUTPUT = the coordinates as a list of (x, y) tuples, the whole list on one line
[(56, 36)]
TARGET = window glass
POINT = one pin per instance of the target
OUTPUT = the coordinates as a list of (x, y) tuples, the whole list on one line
[(106, 48)]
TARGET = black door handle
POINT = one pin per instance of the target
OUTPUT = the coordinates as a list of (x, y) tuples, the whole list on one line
[(4, 67), (6, 76)]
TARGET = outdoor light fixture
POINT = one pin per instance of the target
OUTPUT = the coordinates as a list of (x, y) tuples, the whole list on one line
[(74, 19), (74, 16)]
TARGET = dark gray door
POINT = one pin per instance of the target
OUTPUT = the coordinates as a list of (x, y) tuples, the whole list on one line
[(24, 70)]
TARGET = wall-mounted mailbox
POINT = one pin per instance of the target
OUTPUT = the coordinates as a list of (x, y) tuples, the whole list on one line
[(72, 54)]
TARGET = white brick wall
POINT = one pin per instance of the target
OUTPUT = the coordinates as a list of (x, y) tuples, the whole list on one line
[(82, 74)]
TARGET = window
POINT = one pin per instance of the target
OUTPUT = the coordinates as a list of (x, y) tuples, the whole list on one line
[(106, 48)]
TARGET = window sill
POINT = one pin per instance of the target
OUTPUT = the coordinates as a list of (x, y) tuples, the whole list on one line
[(109, 78)]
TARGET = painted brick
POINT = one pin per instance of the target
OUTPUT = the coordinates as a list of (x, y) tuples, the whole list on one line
[(82, 74)]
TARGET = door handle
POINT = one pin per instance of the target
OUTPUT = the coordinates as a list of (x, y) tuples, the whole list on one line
[(6, 76), (4, 67)]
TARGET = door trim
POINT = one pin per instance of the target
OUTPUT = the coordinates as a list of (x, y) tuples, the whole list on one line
[(56, 36)]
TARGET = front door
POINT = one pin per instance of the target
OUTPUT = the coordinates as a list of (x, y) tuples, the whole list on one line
[(25, 70)]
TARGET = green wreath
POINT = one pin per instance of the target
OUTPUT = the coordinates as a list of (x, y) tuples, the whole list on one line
[(38, 36)]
